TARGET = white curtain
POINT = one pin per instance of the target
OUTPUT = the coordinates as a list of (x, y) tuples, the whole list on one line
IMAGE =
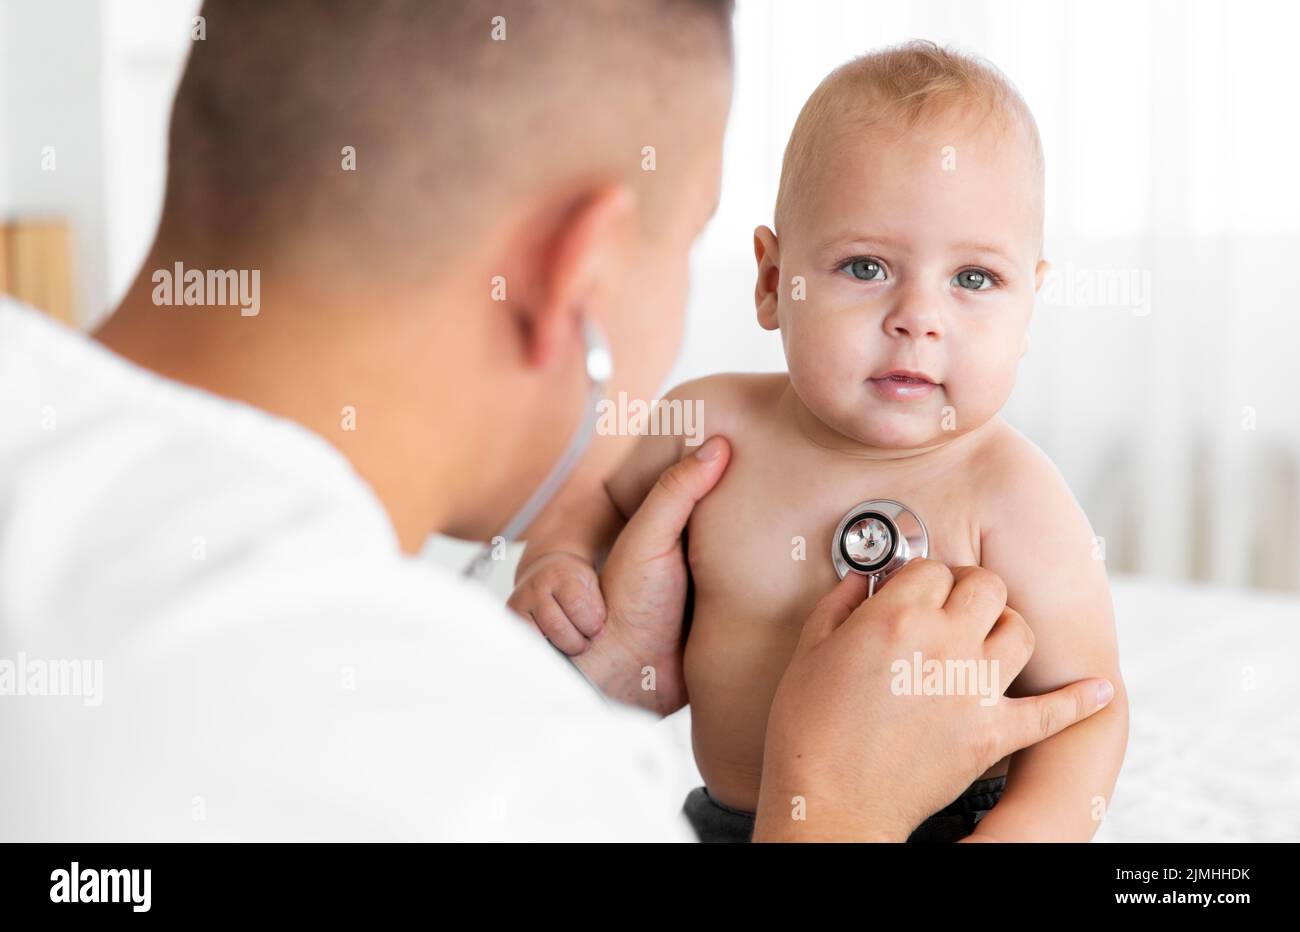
[(1163, 376)]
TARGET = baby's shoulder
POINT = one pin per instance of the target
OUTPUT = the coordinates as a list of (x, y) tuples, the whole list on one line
[(728, 399), (1023, 505), (1011, 472)]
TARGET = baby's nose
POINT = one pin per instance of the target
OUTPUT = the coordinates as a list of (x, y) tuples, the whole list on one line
[(915, 319)]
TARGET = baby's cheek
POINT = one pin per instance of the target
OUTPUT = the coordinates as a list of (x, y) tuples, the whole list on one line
[(824, 370), (824, 347), (981, 385)]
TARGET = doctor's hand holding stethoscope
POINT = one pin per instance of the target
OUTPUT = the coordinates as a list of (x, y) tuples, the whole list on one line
[(840, 750)]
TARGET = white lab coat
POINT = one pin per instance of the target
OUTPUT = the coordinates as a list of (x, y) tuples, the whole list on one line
[(270, 665)]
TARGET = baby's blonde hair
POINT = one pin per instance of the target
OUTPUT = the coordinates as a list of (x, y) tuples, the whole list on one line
[(900, 86)]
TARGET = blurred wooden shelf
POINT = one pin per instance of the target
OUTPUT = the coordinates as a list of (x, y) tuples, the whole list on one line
[(36, 266)]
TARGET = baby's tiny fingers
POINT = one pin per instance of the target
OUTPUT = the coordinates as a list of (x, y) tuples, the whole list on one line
[(523, 600), (584, 607), (552, 621), (521, 609)]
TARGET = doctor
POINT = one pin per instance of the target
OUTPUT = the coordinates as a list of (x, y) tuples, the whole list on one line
[(219, 508)]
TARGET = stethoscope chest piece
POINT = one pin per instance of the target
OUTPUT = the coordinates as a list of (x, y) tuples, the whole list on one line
[(878, 538)]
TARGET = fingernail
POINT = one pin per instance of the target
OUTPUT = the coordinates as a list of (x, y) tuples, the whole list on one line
[(712, 447), (1105, 692)]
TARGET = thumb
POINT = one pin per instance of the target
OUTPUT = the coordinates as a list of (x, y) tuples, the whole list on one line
[(1034, 718), (657, 525), (833, 610)]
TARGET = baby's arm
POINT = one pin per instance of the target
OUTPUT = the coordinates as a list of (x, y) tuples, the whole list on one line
[(1039, 541), (556, 584)]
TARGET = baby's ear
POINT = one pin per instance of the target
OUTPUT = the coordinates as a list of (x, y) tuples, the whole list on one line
[(1040, 273), (768, 255)]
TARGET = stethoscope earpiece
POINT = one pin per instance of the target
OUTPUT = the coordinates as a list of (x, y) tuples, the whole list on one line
[(876, 539)]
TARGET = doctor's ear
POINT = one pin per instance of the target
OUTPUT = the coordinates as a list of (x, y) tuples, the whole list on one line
[(768, 255), (571, 255)]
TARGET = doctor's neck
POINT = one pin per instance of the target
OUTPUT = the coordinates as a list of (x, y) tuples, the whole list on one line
[(400, 381)]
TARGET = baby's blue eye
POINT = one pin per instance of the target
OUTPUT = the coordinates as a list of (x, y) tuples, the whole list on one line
[(867, 270), (973, 280)]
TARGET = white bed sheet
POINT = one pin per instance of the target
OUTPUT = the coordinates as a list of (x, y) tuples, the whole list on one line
[(1214, 692)]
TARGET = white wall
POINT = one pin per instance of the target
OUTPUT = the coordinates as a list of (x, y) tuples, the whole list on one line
[(145, 43), (94, 81), (51, 64), (4, 105)]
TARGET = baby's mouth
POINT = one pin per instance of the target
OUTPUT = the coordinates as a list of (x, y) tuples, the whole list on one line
[(903, 385)]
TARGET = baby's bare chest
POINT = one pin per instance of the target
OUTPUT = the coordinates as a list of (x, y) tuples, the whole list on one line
[(760, 542)]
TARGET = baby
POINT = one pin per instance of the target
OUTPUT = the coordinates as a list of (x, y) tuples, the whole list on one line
[(901, 274)]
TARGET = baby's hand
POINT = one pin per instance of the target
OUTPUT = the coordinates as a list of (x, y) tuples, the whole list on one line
[(560, 593)]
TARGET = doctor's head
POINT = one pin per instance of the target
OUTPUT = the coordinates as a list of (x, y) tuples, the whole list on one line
[(451, 186), (907, 247)]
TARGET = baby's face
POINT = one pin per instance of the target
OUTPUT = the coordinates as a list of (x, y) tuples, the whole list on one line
[(920, 265)]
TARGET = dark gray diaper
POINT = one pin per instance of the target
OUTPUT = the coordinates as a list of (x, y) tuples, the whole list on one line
[(714, 822)]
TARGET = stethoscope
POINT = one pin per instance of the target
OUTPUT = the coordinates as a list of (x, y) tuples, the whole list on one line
[(877, 539)]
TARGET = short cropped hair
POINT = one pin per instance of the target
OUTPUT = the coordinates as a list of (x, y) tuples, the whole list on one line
[(900, 87), (448, 110)]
